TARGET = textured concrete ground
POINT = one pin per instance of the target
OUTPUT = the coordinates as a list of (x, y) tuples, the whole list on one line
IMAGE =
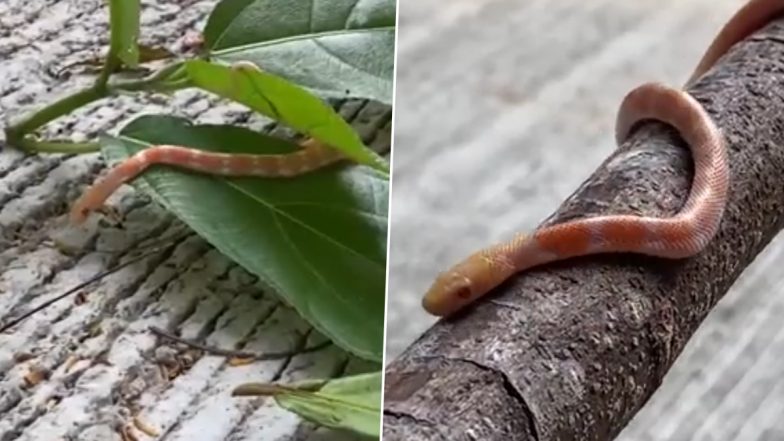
[(85, 367), (503, 108)]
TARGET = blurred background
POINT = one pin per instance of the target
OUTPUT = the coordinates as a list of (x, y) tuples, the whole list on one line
[(503, 108)]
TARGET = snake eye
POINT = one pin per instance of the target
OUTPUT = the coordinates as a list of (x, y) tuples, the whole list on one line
[(463, 293)]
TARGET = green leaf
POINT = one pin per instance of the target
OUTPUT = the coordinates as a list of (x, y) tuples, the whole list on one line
[(280, 100), (335, 48), (318, 240), (352, 403), (124, 23)]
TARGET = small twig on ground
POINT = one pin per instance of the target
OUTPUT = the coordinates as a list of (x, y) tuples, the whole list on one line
[(15, 321), (237, 353)]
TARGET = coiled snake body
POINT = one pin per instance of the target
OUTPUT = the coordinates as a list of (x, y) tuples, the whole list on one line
[(683, 235)]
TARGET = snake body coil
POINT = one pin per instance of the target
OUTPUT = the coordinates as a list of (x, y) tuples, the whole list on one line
[(683, 235)]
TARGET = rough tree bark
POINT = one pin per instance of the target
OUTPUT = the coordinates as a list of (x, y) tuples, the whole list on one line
[(573, 350)]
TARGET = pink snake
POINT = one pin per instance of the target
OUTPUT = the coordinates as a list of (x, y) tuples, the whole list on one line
[(683, 235), (312, 155)]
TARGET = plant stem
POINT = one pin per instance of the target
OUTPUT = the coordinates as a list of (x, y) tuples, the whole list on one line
[(32, 145), (15, 133), (167, 78), (109, 65)]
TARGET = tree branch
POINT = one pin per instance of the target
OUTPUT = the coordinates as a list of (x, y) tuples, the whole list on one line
[(573, 350)]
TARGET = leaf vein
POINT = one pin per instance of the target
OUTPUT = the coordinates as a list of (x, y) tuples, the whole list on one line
[(356, 211), (274, 209), (251, 46), (284, 234), (342, 60)]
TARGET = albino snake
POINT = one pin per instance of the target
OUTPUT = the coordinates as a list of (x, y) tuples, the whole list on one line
[(683, 235), (312, 156)]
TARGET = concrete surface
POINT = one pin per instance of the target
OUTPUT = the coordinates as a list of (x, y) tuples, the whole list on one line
[(86, 366), (503, 108)]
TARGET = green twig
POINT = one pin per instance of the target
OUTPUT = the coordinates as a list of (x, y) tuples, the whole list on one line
[(151, 85), (110, 64), (54, 146), (15, 133), (159, 80)]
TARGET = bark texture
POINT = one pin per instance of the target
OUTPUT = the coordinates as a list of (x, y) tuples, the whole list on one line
[(573, 350)]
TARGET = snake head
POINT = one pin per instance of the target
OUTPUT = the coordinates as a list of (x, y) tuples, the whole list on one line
[(461, 285), (449, 292), (81, 210)]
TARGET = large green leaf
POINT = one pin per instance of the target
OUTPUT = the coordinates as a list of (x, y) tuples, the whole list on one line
[(124, 24), (319, 240), (282, 101), (352, 403), (336, 48)]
